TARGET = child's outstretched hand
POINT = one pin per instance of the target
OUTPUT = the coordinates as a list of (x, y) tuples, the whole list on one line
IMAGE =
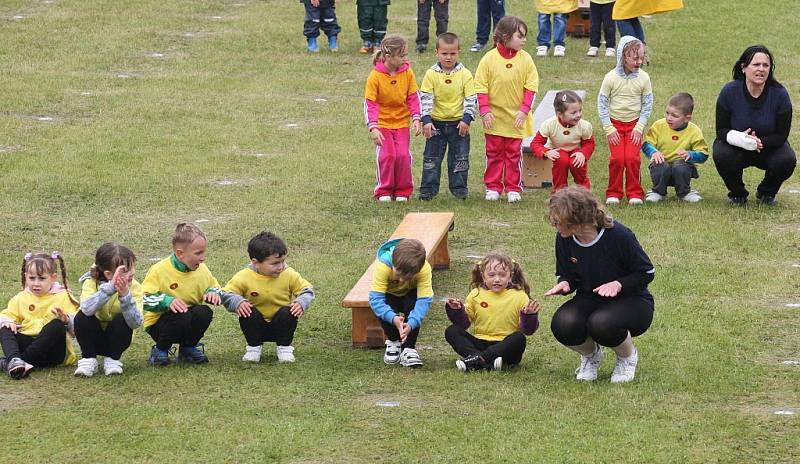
[(417, 124), (636, 137), (488, 120), (454, 303), (561, 288), (377, 137), (578, 159), (212, 298), (121, 280), (245, 309), (613, 138), (657, 158), (552, 154), (296, 310), (178, 306), (10, 325), (532, 307), (609, 290), (463, 128), (519, 120)]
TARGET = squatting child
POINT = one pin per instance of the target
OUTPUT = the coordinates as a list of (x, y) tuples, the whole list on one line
[(675, 145), (268, 297), (400, 296), (448, 104)]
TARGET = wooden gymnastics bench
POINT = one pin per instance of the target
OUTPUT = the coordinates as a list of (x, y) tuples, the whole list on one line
[(429, 228), (537, 173)]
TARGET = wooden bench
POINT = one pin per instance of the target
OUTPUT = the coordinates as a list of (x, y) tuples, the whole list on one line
[(429, 228), (538, 173), (578, 21)]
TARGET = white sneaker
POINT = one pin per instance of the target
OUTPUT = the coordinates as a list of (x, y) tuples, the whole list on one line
[(541, 50), (514, 197), (610, 52), (87, 367), (410, 358), (635, 201), (589, 365), (285, 354), (252, 354), (401, 199), (392, 353), (692, 197), (491, 195), (385, 198), (497, 365), (653, 197), (625, 369), (559, 50), (592, 51), (112, 366), (612, 201)]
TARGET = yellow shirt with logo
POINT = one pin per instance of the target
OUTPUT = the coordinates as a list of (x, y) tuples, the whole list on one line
[(190, 286), (111, 309), (669, 141), (449, 91), (565, 138), (383, 281), (265, 293), (494, 316)]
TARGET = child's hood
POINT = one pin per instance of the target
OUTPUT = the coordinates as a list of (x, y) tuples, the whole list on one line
[(437, 67), (625, 40), (385, 251), (381, 68)]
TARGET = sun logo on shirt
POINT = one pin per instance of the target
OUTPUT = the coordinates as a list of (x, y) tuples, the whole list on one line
[(32, 308), (509, 65), (675, 137), (566, 132), (393, 82), (174, 285), (484, 304), (573, 260), (253, 293), (448, 81)]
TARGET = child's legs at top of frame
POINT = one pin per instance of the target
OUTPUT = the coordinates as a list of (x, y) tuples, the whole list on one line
[(510, 349), (49, 348), (380, 22), (385, 158), (512, 164), (545, 31), (682, 173), (560, 170), (441, 14), (403, 177), (484, 22), (423, 20), (457, 161), (559, 29), (631, 27), (596, 20), (312, 21), (493, 175), (498, 8), (330, 26), (366, 27), (432, 162), (609, 25), (661, 175), (463, 342)]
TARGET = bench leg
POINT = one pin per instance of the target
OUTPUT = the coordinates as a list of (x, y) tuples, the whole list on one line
[(367, 330), (441, 255)]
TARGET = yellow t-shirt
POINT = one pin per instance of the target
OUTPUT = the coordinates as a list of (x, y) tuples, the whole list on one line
[(32, 313), (565, 138), (505, 81), (669, 141), (111, 309), (556, 6), (449, 91), (627, 9), (383, 281), (190, 286), (265, 293), (494, 316)]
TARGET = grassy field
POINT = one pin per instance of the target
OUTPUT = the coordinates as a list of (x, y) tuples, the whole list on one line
[(120, 119)]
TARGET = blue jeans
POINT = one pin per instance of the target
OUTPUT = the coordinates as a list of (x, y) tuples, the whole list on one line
[(489, 11), (631, 27), (445, 134), (559, 29)]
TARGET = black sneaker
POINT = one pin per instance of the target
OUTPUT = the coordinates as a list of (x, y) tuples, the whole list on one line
[(425, 198), (768, 200), (421, 48), (737, 201), (472, 363)]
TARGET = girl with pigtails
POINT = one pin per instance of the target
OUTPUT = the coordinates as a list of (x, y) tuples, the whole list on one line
[(35, 326), (500, 311)]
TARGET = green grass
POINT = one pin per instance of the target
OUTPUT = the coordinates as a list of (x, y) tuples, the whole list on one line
[(139, 154)]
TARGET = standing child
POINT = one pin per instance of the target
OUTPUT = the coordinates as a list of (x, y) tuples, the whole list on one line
[(268, 297), (321, 14), (111, 308), (400, 297), (558, 9), (566, 139), (674, 146), (440, 13), (506, 83), (501, 314), (490, 12), (600, 16), (448, 107), (624, 104), (372, 22), (390, 98), (35, 325), (175, 289)]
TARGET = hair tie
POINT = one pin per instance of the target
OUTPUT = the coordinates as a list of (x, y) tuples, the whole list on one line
[(28, 256), (564, 97), (55, 254)]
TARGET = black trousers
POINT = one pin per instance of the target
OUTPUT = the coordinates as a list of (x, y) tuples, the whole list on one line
[(466, 344), (607, 323), (185, 329), (94, 340), (279, 330), (600, 14), (440, 13), (401, 305), (679, 173), (47, 349), (320, 17), (731, 162)]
